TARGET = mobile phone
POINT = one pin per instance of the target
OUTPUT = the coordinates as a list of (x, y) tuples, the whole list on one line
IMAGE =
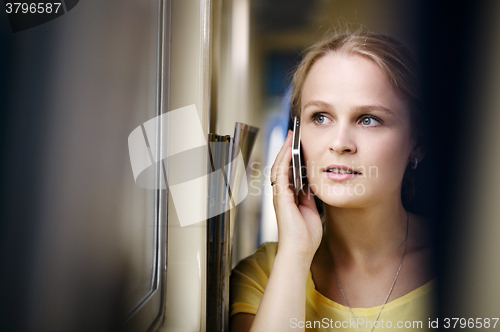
[(296, 157)]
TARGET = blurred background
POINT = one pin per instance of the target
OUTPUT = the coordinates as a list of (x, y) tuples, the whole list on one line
[(83, 248)]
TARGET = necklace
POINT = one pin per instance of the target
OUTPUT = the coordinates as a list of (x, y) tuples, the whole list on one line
[(393, 283)]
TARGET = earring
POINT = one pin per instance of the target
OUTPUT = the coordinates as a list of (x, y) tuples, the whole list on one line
[(414, 166)]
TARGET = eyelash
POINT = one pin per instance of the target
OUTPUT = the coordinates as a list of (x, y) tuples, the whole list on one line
[(315, 116), (371, 117)]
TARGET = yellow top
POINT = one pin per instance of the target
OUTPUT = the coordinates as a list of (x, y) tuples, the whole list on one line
[(411, 312)]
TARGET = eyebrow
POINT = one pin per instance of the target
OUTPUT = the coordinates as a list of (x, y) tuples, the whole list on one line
[(318, 103), (381, 108), (363, 108)]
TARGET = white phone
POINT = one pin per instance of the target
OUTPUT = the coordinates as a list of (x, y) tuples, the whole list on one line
[(296, 158)]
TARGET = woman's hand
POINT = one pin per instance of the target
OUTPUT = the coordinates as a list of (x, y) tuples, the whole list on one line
[(300, 231), (299, 227)]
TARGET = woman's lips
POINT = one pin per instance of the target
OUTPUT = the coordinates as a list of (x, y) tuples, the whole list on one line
[(341, 176)]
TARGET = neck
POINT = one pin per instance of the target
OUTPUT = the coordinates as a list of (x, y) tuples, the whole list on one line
[(367, 233)]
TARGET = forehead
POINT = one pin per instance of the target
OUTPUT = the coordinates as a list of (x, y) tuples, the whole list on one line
[(345, 79)]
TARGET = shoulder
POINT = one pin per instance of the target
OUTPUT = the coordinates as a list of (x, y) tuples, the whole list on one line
[(262, 260), (249, 279)]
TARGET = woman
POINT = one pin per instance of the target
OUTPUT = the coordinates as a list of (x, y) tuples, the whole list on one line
[(362, 264)]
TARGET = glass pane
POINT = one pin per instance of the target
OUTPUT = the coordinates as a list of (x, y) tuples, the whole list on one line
[(139, 224)]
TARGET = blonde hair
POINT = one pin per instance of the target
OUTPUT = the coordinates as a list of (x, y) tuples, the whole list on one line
[(389, 54)]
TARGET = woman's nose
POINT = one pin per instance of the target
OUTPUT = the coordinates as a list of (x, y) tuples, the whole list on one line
[(342, 140)]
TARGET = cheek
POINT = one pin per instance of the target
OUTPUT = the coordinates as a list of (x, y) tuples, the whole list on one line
[(309, 159), (390, 155), (312, 150)]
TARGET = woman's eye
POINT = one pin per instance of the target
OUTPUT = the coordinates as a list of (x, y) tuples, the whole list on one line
[(320, 118), (369, 121)]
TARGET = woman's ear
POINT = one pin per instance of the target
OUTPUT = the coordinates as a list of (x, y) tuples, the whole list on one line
[(417, 152)]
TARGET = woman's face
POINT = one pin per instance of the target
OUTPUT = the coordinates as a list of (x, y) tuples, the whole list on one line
[(355, 132)]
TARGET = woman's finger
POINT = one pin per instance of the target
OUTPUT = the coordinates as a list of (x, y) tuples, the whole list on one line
[(279, 157), (281, 172)]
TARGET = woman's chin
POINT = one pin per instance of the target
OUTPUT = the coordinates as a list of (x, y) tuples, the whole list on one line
[(345, 203), (346, 200)]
